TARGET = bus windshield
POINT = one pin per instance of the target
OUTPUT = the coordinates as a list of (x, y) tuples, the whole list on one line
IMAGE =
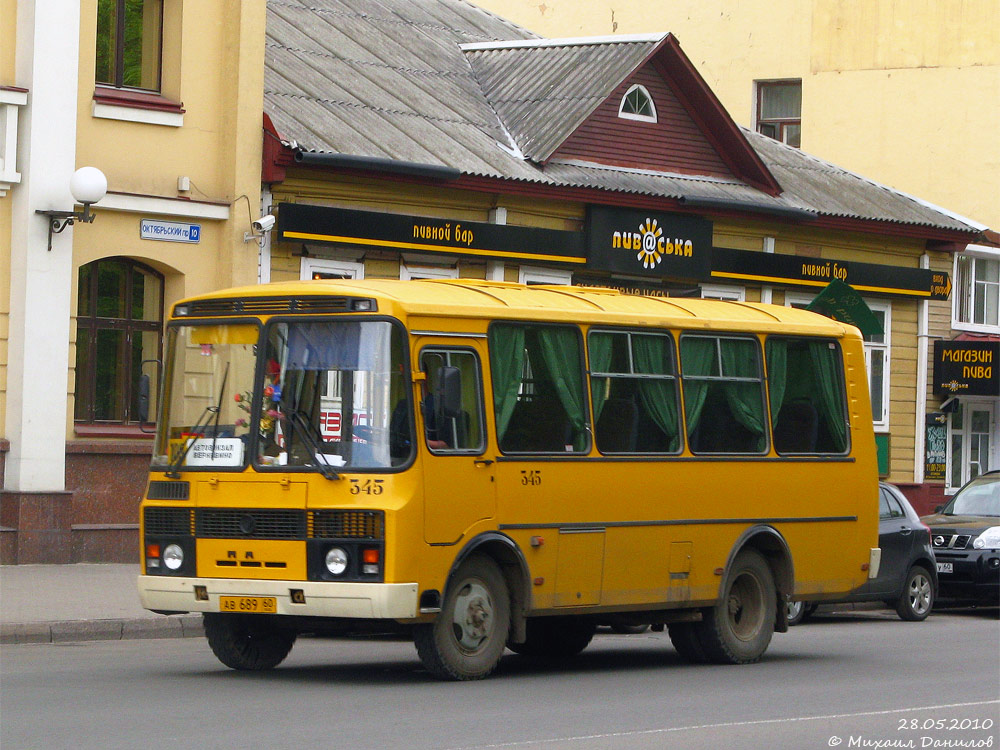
[(329, 395), (334, 395), (209, 379)]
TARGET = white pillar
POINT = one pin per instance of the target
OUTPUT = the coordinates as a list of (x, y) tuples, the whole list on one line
[(41, 284)]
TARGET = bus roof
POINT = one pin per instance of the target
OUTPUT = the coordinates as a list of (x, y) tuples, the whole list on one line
[(476, 298)]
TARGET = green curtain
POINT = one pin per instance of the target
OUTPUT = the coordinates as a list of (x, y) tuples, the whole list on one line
[(830, 394), (739, 359), (507, 363), (599, 346), (560, 348), (697, 357), (659, 397), (777, 374)]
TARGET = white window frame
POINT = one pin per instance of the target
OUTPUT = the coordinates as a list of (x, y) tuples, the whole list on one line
[(407, 272), (552, 276), (631, 115), (957, 294), (350, 269), (879, 422), (724, 292), (993, 459)]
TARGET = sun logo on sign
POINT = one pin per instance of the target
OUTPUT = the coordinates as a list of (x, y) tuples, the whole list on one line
[(650, 251)]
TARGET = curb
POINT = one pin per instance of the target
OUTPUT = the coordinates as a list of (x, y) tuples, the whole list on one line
[(65, 631)]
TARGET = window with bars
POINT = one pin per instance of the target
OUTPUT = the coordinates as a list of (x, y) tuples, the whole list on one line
[(118, 327)]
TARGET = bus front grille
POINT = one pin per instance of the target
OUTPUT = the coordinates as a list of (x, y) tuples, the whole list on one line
[(168, 522), (225, 523)]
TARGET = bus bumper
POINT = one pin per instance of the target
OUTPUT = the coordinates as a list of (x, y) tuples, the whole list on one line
[(394, 601)]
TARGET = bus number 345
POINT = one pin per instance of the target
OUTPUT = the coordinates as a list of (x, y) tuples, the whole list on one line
[(366, 486), (531, 476)]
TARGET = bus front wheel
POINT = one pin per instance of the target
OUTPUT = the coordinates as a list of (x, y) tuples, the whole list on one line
[(738, 629), (248, 642), (466, 640)]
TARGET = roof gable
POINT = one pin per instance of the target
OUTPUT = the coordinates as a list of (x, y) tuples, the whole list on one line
[(560, 97), (674, 143)]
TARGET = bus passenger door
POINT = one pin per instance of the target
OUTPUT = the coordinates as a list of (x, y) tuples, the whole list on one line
[(459, 487)]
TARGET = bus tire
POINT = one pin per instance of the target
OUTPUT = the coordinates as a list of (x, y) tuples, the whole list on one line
[(738, 629), (555, 638), (466, 640), (247, 642), (684, 637), (918, 595)]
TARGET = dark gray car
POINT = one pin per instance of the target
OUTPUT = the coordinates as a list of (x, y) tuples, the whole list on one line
[(907, 575), (966, 536)]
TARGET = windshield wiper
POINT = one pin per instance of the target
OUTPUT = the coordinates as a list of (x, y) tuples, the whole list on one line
[(305, 432), (176, 463)]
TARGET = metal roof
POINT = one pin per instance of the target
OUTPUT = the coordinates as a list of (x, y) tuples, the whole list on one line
[(389, 79)]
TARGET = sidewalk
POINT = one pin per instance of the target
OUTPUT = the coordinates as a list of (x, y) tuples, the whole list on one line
[(58, 603)]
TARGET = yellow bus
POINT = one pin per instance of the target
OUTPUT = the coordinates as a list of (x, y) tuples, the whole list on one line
[(488, 465)]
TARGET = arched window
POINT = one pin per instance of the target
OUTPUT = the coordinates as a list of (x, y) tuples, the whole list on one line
[(637, 104), (118, 327)]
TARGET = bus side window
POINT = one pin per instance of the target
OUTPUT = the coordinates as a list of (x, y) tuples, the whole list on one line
[(538, 388), (461, 430), (723, 387), (808, 401)]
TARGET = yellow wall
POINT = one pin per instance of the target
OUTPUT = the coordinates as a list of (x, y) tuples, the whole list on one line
[(906, 92), (8, 23), (213, 65)]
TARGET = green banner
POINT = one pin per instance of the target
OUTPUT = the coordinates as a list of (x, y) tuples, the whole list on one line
[(840, 302)]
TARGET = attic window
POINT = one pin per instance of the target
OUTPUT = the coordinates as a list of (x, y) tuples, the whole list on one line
[(637, 104)]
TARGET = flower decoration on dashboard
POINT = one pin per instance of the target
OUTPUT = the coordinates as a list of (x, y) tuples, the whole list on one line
[(269, 408)]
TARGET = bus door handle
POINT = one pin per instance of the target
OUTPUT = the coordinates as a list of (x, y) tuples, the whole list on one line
[(482, 463)]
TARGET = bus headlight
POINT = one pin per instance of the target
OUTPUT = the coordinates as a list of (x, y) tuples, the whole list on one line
[(173, 556), (336, 561)]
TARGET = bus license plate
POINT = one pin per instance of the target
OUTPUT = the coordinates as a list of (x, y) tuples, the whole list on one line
[(945, 567), (265, 605)]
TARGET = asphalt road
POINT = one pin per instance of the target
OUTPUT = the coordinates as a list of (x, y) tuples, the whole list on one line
[(843, 680)]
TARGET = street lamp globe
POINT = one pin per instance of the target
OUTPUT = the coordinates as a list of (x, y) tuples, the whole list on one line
[(88, 185)]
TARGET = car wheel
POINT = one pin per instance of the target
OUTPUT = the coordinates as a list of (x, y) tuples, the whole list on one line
[(250, 642), (917, 599), (796, 612)]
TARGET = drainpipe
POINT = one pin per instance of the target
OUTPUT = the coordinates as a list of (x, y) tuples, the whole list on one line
[(921, 406)]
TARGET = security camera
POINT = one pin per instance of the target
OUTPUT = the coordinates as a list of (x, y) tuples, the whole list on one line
[(264, 224)]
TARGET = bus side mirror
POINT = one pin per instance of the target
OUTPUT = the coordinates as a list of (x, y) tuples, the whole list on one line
[(448, 396), (145, 394), (143, 398)]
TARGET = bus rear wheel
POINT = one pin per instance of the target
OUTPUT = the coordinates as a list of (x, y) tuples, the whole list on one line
[(555, 638), (247, 642), (738, 629), (466, 640)]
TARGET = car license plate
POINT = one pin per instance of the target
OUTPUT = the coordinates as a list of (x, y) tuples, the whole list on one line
[(266, 605), (945, 567)]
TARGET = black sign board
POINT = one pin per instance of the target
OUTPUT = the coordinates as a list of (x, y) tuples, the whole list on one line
[(967, 368), (775, 268), (325, 225), (648, 243)]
